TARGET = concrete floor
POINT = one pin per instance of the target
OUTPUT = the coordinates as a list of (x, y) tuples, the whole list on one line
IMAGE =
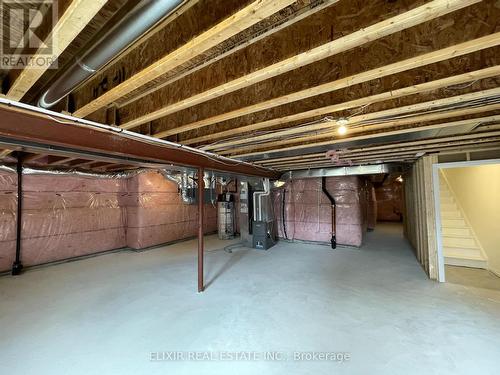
[(105, 315)]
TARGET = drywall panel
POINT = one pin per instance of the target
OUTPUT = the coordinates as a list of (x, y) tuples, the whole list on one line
[(477, 190)]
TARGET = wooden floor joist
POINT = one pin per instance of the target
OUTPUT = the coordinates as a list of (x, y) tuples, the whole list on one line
[(290, 158), (301, 14), (372, 99), (248, 16), (78, 14), (460, 49), (33, 157), (333, 135), (388, 153), (437, 142), (424, 13), (5, 153), (333, 142), (342, 160), (450, 147), (61, 161), (82, 164), (106, 165), (360, 162), (322, 125), (391, 149)]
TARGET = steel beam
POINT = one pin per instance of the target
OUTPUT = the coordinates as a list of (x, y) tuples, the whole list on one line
[(26, 126)]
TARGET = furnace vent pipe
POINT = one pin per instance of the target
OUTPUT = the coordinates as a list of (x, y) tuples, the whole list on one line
[(334, 206), (267, 192), (257, 198), (144, 16)]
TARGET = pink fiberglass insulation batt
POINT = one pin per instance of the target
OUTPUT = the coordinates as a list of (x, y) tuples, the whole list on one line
[(8, 204), (156, 213), (64, 217), (390, 202), (308, 211), (70, 216)]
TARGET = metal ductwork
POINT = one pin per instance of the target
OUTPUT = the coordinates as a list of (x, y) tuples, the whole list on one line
[(258, 209), (345, 171), (144, 16), (187, 184)]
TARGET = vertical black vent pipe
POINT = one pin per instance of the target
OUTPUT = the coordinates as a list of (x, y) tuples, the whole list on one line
[(334, 221), (283, 212), (17, 266)]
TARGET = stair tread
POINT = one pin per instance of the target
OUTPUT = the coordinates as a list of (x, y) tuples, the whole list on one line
[(458, 250), (452, 219), (461, 236), (447, 225), (473, 259), (464, 246), (470, 263)]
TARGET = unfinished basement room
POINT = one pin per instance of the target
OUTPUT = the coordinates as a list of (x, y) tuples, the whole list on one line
[(250, 187)]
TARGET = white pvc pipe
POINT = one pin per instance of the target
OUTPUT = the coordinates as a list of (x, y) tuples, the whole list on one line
[(266, 193)]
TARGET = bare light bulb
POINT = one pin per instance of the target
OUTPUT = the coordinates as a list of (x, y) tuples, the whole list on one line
[(342, 129), (342, 125)]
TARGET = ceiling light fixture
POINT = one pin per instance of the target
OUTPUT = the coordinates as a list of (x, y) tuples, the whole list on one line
[(342, 125)]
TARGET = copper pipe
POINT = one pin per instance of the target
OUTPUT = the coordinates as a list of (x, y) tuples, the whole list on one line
[(201, 193)]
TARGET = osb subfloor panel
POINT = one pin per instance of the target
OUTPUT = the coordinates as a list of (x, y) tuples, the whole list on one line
[(105, 315)]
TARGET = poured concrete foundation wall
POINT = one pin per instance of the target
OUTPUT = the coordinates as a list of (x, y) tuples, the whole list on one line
[(308, 214), (68, 216)]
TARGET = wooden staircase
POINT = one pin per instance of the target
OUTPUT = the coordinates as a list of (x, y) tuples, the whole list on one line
[(460, 245)]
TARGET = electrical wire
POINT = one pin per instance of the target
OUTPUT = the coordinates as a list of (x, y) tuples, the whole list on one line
[(374, 121)]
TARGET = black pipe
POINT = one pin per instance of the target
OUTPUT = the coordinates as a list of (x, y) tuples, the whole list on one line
[(283, 213), (17, 266), (334, 205)]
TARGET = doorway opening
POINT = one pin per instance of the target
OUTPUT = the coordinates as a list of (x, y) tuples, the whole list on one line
[(467, 199)]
